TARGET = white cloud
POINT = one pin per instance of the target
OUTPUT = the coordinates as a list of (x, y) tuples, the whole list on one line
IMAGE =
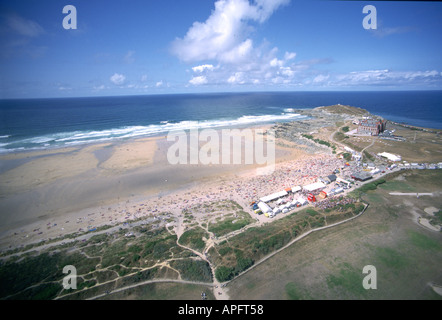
[(276, 63), (118, 79), (239, 53), (321, 78), (382, 31), (24, 27), (289, 56), (159, 84), (99, 88), (203, 67), (238, 77), (143, 78), (223, 36), (129, 57), (198, 80), (287, 71), (387, 78)]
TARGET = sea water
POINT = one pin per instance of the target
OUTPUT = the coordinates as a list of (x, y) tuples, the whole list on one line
[(47, 123)]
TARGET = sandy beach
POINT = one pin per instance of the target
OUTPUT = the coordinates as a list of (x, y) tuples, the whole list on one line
[(51, 194)]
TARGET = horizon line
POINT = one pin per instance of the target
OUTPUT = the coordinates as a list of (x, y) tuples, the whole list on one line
[(216, 92)]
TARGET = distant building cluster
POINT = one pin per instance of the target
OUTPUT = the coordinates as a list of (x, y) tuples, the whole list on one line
[(372, 127)]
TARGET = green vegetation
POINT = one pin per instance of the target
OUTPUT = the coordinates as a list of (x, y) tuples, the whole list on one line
[(230, 224), (371, 186), (423, 242), (105, 257), (437, 219), (345, 129), (193, 238), (391, 258), (367, 156), (163, 291), (223, 273), (310, 137), (43, 271), (347, 156), (311, 212), (193, 270), (243, 250), (348, 281), (293, 292), (319, 141), (329, 264), (339, 136)]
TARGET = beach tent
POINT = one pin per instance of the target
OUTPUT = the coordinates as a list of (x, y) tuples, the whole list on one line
[(336, 191), (302, 201), (274, 196), (311, 198), (343, 181), (314, 186), (265, 207)]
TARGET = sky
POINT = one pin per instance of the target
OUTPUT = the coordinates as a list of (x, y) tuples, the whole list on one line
[(188, 46)]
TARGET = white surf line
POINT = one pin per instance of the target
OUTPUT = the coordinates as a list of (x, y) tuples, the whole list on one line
[(415, 194)]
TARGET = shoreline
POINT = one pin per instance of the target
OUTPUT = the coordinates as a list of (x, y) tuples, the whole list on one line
[(58, 192), (45, 190)]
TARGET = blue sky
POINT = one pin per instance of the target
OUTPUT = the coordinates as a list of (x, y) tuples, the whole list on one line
[(178, 46)]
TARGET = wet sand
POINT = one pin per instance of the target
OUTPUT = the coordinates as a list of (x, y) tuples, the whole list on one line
[(46, 195)]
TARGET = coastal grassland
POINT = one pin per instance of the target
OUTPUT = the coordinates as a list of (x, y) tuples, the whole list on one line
[(104, 262), (194, 238), (193, 269), (320, 141), (215, 217), (328, 264), (419, 146), (232, 222), (108, 261), (240, 252), (163, 291), (344, 110)]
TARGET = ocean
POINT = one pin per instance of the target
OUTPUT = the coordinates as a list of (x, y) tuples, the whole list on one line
[(34, 124)]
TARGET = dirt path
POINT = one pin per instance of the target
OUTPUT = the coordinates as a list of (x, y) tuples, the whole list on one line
[(148, 282), (297, 239), (415, 194), (218, 289)]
